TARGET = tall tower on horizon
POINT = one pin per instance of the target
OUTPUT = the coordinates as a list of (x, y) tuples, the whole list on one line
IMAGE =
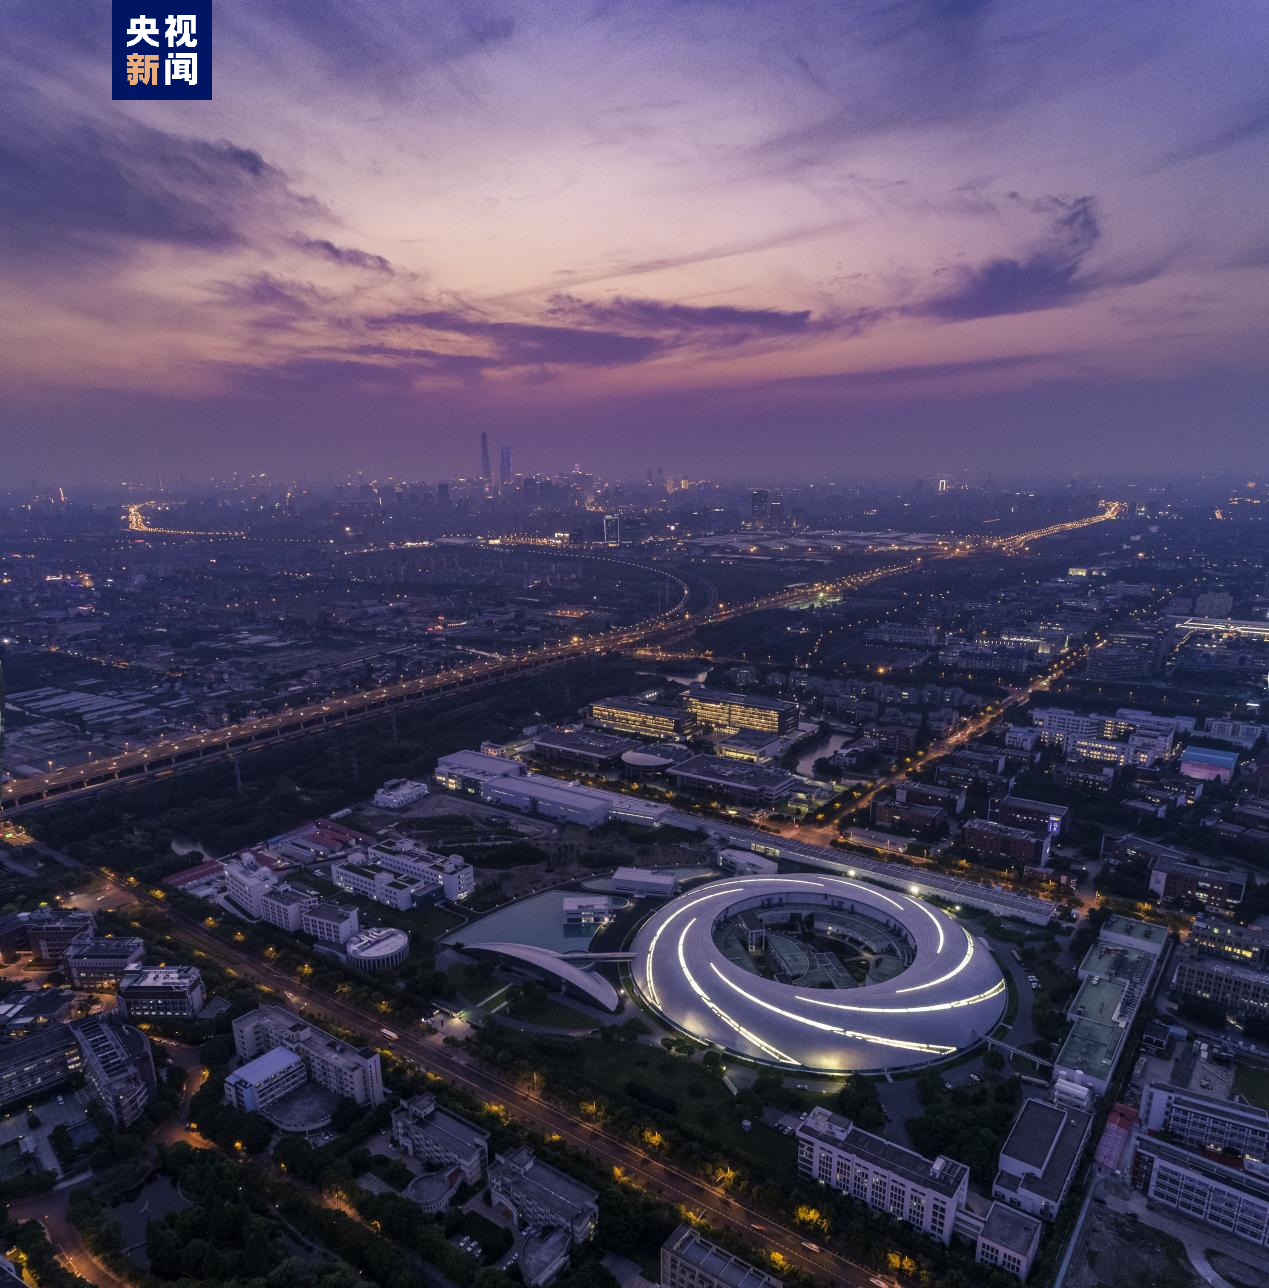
[(504, 466), (486, 473)]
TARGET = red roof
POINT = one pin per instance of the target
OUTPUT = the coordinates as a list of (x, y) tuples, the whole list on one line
[(188, 876)]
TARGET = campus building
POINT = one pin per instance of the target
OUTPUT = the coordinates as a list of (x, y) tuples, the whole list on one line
[(690, 1261), (352, 1072), (51, 931), (653, 720), (119, 1066), (162, 992), (95, 962), (732, 780), (258, 1083), (998, 843), (381, 884), (885, 1176), (330, 923), (1240, 990), (732, 712), (424, 1130), (1201, 1121), (1008, 1240), (1040, 1157)]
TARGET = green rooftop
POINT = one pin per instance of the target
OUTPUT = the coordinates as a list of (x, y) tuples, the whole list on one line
[(1091, 1047), (1099, 998)]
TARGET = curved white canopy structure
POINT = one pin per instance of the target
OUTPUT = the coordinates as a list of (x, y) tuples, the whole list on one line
[(951, 993), (549, 965)]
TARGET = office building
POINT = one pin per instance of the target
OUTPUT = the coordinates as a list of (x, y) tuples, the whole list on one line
[(745, 863), (612, 530), (1008, 1240), (284, 906), (33, 1066), (504, 466), (1040, 1157), (583, 748), (655, 720), (690, 1261), (450, 874), (162, 992), (759, 507), (119, 1066), (1201, 1120), (1036, 816), (258, 1083), (347, 1071), (540, 1197), (247, 881), (1239, 990), (382, 885), (732, 712), (885, 1176), (51, 931), (1202, 1188), (486, 474), (469, 771), (999, 844), (425, 1130), (731, 780), (1247, 945), (1126, 738), (95, 962), (330, 923), (1217, 886), (645, 882)]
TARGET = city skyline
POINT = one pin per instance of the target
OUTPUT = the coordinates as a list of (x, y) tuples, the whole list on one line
[(908, 238)]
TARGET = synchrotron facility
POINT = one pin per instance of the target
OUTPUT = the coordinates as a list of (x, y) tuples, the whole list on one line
[(697, 962)]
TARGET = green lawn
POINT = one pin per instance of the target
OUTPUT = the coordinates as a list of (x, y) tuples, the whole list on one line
[(547, 1011), (1253, 1083)]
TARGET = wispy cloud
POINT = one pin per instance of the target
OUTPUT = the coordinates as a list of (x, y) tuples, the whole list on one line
[(346, 256)]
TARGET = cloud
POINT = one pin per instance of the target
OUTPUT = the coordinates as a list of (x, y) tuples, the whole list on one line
[(96, 189), (523, 344), (349, 256), (1045, 278), (656, 315), (274, 295), (1248, 125)]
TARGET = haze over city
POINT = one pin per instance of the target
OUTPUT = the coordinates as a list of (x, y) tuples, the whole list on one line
[(727, 237)]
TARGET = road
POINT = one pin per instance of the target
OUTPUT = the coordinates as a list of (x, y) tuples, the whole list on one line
[(174, 755), (662, 1179), (51, 1210)]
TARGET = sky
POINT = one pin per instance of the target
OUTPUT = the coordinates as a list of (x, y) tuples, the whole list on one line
[(728, 239)]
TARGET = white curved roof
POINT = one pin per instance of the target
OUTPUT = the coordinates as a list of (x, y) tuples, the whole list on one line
[(594, 988), (952, 992)]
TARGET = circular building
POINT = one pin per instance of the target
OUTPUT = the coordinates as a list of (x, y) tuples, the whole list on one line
[(377, 948), (820, 973)]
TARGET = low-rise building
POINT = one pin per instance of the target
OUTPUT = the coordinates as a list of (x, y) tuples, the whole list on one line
[(399, 793), (100, 962), (1009, 1240), (1035, 816), (162, 992), (688, 1260), (119, 1066), (1202, 1188), (378, 948), (545, 1204), (1246, 945), (247, 881), (645, 882), (583, 748), (382, 885), (469, 771), (731, 712), (425, 1130), (732, 780), (1201, 1120), (258, 1083), (1240, 990), (745, 863), (284, 905), (653, 720), (353, 1072), (51, 931), (330, 923), (885, 1176), (1040, 1158), (997, 843), (452, 876), (33, 1066)]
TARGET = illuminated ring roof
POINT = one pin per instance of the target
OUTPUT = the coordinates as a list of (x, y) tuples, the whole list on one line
[(952, 992)]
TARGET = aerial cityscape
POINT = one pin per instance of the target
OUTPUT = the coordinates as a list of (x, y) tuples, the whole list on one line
[(634, 647)]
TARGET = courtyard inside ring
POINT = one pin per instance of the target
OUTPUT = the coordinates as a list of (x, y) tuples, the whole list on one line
[(818, 973)]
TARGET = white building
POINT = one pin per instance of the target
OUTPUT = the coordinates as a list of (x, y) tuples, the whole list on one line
[(269, 1077), (247, 882), (424, 1130), (159, 992), (1202, 1121), (469, 771), (382, 885), (451, 872), (645, 882), (330, 923), (1040, 1157), (690, 1261), (924, 1194), (399, 793), (586, 911), (378, 948), (745, 863), (283, 906), (347, 1071), (1009, 1240), (1126, 738)]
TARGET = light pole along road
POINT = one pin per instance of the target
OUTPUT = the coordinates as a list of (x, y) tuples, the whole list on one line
[(176, 755)]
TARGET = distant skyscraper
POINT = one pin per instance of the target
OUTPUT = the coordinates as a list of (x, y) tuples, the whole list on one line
[(504, 466), (485, 472), (942, 485), (759, 502), (612, 529)]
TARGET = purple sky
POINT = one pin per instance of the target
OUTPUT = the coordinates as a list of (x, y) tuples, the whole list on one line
[(910, 236)]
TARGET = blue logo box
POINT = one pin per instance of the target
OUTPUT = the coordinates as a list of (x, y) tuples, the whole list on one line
[(161, 50)]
